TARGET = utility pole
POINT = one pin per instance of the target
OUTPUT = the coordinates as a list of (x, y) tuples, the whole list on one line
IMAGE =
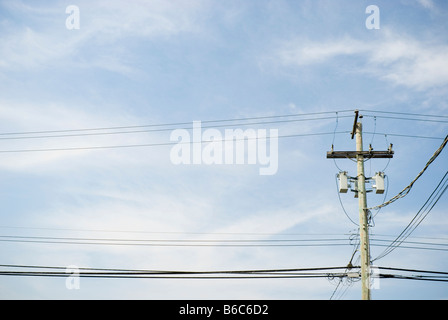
[(360, 155), (363, 224)]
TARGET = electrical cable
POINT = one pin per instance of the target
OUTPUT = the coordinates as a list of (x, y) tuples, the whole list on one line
[(422, 278), (407, 189), (168, 232), (243, 243), (162, 143), (171, 240), (342, 205), (413, 270), (334, 136), (418, 218), (202, 233), (180, 243), (302, 273), (371, 142), (162, 129), (406, 135), (177, 272), (406, 113), (410, 119), (349, 267), (212, 121), (172, 123), (321, 272)]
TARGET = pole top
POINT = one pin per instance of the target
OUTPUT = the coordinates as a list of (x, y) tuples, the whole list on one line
[(354, 123)]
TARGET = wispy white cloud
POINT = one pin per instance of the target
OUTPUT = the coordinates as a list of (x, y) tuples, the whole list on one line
[(428, 4), (35, 117), (43, 41), (115, 19), (302, 53), (399, 59)]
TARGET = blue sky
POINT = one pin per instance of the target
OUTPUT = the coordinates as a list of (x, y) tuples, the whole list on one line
[(157, 62)]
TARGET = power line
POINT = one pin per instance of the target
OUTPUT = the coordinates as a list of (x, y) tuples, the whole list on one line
[(178, 123), (410, 247), (349, 267), (183, 243), (161, 129), (407, 189), (425, 275), (418, 218), (170, 232), (310, 236), (405, 113), (409, 119), (293, 273), (247, 243), (414, 242), (340, 201), (413, 270), (416, 277), (172, 240), (219, 120), (405, 135), (176, 272), (162, 143), (153, 276), (320, 272)]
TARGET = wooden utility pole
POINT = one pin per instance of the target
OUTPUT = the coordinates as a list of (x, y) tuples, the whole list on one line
[(360, 155), (363, 223)]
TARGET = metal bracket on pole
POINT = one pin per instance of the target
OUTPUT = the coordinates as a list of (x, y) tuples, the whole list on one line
[(354, 123)]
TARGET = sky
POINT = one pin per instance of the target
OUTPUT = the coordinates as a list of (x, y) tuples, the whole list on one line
[(129, 66)]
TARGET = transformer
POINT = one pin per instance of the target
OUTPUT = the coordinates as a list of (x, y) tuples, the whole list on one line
[(343, 182), (379, 182)]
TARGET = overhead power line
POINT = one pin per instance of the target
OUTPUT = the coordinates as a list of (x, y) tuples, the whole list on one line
[(424, 275), (404, 135), (181, 242), (419, 216), (163, 143), (245, 243), (405, 113), (415, 277), (175, 124), (293, 273), (408, 119), (407, 189), (169, 232), (175, 272), (171, 128), (189, 233), (322, 272), (148, 128)]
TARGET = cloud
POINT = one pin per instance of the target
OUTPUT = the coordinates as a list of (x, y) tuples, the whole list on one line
[(144, 18), (41, 39), (36, 117), (428, 4), (399, 59), (302, 53)]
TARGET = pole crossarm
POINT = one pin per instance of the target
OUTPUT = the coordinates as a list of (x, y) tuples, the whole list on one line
[(354, 154)]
